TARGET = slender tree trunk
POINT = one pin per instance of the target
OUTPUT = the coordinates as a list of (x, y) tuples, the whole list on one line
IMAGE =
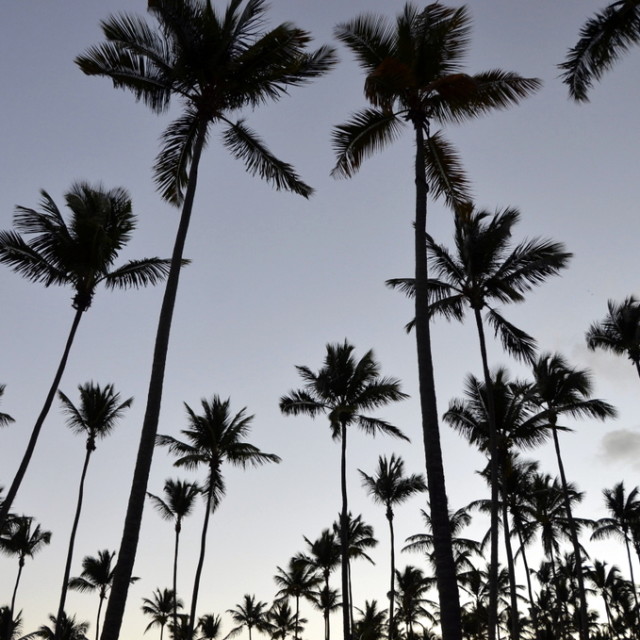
[(203, 545), (392, 587), (133, 518), (532, 606), (515, 622), (5, 507), (175, 573), (493, 462), (102, 597), (582, 597), (15, 588), (633, 581), (297, 629), (446, 579), (72, 538), (326, 609), (344, 534)]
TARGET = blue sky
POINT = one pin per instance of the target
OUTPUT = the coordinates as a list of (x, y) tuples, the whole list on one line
[(274, 278)]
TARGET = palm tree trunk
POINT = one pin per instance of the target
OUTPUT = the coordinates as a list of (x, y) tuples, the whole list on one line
[(102, 597), (344, 535), (72, 539), (515, 622), (203, 544), (296, 630), (633, 582), (446, 579), (326, 609), (135, 508), (35, 433), (584, 620), (175, 574), (493, 462), (15, 588), (532, 606), (392, 632)]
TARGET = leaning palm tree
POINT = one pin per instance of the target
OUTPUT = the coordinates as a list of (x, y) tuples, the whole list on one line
[(160, 608), (5, 418), (250, 614), (99, 411), (343, 389), (414, 75), (213, 438), (178, 504), (97, 575), (619, 332), (217, 63), (604, 38), (79, 253), (22, 540), (390, 487)]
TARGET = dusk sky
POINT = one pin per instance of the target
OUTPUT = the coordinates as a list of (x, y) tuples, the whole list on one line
[(274, 278)]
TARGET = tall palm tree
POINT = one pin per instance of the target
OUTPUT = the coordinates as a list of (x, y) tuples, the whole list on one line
[(213, 438), (390, 487), (343, 389), (97, 575), (64, 627), (79, 253), (217, 63), (5, 418), (604, 38), (99, 411), (23, 540), (414, 75), (299, 580), (619, 332), (250, 613), (559, 389), (160, 608), (179, 501)]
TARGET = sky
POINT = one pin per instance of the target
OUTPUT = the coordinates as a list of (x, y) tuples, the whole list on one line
[(274, 278)]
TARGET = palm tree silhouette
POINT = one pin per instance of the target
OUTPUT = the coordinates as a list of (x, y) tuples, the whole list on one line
[(414, 75), (343, 389), (390, 487), (412, 587), (96, 416), (217, 63), (326, 600), (605, 580), (5, 418), (372, 623), (79, 253), (23, 540), (619, 332), (213, 438), (250, 613), (64, 627), (604, 38), (178, 504), (97, 575), (160, 607), (10, 627), (283, 621), (209, 625)]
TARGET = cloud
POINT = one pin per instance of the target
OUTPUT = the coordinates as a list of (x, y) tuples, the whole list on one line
[(621, 445)]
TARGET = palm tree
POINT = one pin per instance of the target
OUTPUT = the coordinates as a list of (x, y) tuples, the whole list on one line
[(372, 622), (605, 580), (414, 75), (97, 575), (80, 254), (619, 332), (96, 416), (213, 438), (389, 487), (209, 626), (326, 600), (178, 504), (5, 418), (64, 627), (562, 390), (248, 614), (160, 607), (343, 389), (412, 587), (217, 64), (299, 580), (283, 621), (604, 38), (9, 626), (24, 541)]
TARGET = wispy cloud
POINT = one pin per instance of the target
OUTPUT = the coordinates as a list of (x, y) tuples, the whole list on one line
[(621, 446)]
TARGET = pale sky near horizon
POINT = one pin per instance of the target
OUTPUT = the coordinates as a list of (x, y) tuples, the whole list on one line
[(274, 278)]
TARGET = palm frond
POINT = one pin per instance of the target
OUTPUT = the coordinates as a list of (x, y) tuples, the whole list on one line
[(514, 340), (370, 37), (139, 273), (372, 426), (445, 174)]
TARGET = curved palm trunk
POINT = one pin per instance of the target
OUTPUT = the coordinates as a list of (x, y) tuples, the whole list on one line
[(344, 535), (532, 606), (15, 588), (515, 622), (392, 586), (446, 579), (493, 462), (72, 540), (133, 519), (582, 598), (35, 433), (101, 601), (175, 575)]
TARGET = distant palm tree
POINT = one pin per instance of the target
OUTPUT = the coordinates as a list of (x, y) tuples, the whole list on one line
[(80, 254), (619, 332), (605, 580), (99, 411), (343, 389), (283, 621), (160, 608), (218, 62), (10, 627), (326, 600), (97, 575), (178, 504), (64, 627), (390, 487), (251, 614), (604, 38), (414, 76), (209, 626), (5, 418), (213, 438), (372, 624), (412, 588), (24, 541)]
